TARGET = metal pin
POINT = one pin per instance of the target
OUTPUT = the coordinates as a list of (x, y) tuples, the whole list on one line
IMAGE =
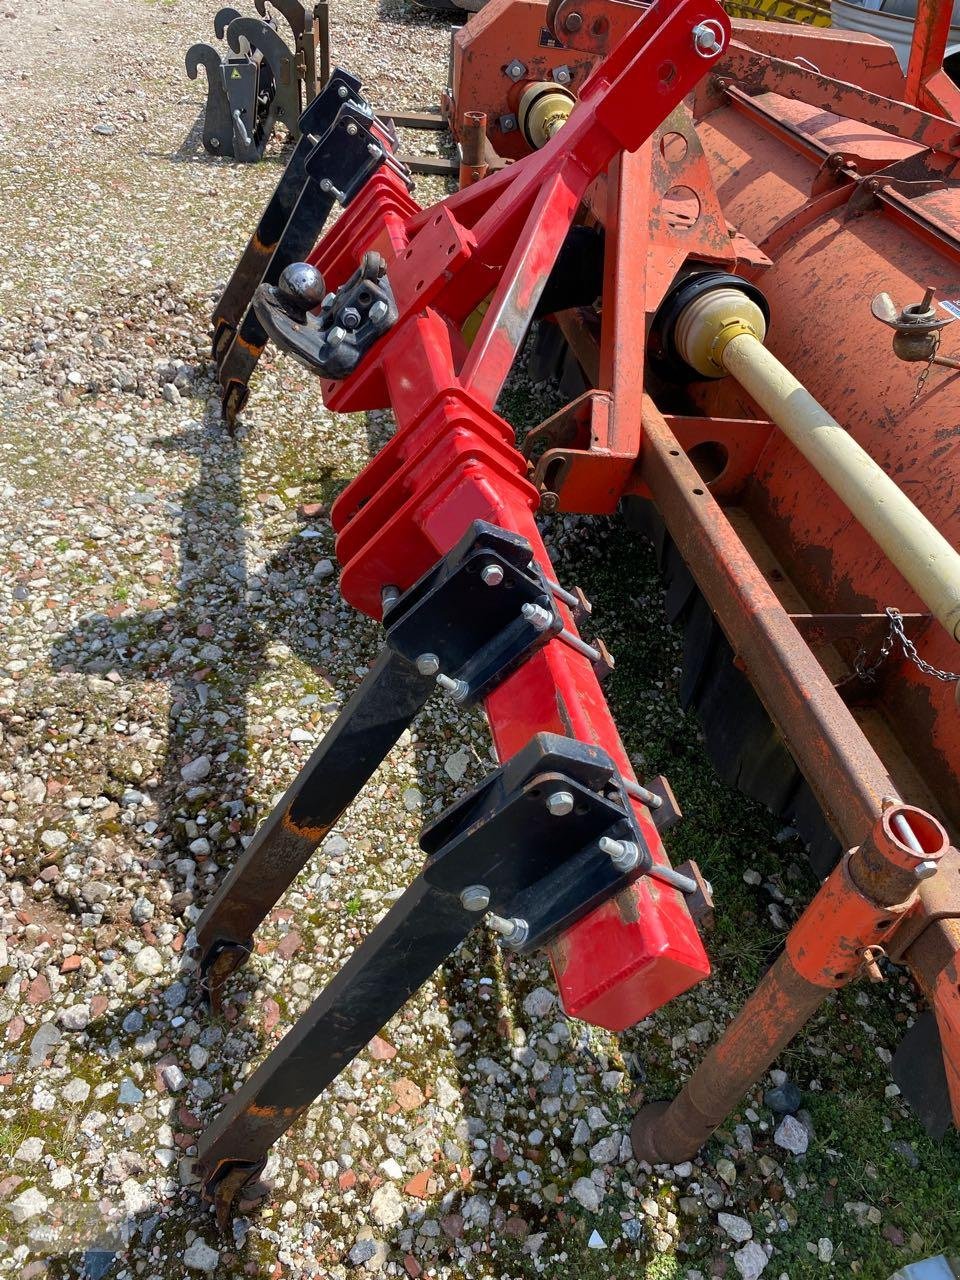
[(351, 128), (649, 798), (389, 595), (673, 878), (492, 575), (906, 833), (580, 646), (625, 855), (563, 594), (457, 689), (514, 931), (539, 618)]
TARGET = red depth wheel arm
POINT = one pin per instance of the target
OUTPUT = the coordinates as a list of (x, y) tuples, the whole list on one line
[(453, 459)]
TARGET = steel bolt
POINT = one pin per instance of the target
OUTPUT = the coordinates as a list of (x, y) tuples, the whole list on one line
[(389, 595), (342, 91), (492, 575), (539, 618), (351, 129), (562, 75), (516, 69), (507, 123), (215, 143), (513, 931), (624, 854), (428, 664), (475, 897), (374, 150), (335, 336), (326, 184), (378, 312), (350, 318), (708, 38), (924, 870), (573, 22), (328, 300), (560, 803), (457, 689)]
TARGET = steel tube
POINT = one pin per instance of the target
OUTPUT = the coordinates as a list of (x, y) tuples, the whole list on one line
[(859, 904), (779, 1007), (473, 147), (848, 778), (921, 553)]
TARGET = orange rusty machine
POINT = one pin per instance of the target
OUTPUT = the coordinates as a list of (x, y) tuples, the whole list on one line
[(742, 242)]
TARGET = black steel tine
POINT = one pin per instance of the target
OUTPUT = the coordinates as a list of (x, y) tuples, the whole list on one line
[(387, 700), (414, 938)]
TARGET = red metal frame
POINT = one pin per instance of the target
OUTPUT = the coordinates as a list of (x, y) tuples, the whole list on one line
[(453, 460), (928, 85)]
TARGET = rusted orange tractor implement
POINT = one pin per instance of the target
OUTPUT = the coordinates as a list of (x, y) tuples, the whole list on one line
[(741, 241)]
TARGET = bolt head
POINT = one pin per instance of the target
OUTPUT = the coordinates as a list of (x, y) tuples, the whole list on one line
[(708, 39), (560, 803), (492, 575), (342, 91), (335, 336), (516, 69), (351, 129), (562, 75), (378, 312), (924, 870), (428, 664), (573, 22), (475, 897), (507, 124)]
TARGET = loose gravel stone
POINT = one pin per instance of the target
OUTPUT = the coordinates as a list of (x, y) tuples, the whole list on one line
[(792, 1136), (199, 1256), (737, 1228), (750, 1261)]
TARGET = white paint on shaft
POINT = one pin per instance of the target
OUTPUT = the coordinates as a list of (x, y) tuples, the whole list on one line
[(921, 553)]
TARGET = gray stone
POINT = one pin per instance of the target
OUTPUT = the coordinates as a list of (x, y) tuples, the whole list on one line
[(783, 1100), (29, 1151), (75, 1017), (386, 1205), (587, 1193), (129, 1095), (792, 1136), (149, 962), (46, 1038), (75, 1090), (196, 770), (750, 1261), (29, 1204), (539, 1002), (737, 1228), (200, 1257)]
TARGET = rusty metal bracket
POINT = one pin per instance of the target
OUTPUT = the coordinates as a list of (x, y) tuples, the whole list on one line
[(939, 900)]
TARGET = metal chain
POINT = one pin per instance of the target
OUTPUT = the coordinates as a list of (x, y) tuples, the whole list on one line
[(897, 635), (925, 371)]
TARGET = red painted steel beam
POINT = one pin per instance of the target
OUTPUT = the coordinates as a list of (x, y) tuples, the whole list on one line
[(453, 460)]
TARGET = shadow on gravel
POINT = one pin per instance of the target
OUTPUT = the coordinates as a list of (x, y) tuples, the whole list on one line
[(210, 650)]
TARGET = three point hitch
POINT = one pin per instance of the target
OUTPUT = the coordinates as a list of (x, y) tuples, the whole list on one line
[(262, 80)]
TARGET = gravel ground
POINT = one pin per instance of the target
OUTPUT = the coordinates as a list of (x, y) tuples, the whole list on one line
[(174, 646)]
